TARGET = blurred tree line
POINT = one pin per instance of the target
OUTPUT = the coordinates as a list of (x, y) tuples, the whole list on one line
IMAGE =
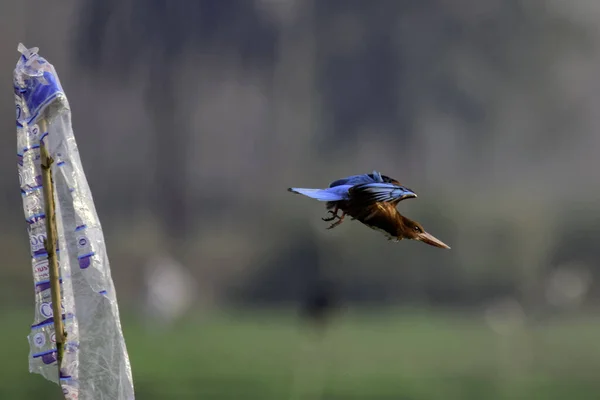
[(193, 117)]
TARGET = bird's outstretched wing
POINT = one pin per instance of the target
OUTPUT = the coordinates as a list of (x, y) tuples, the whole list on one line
[(369, 193), (364, 189), (375, 177), (330, 194)]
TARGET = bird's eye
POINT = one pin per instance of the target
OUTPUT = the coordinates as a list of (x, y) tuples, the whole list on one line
[(417, 229)]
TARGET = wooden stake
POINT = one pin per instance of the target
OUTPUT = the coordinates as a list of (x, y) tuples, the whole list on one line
[(50, 244)]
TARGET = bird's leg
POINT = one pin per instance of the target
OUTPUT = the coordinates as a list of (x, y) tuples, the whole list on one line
[(334, 215), (339, 221)]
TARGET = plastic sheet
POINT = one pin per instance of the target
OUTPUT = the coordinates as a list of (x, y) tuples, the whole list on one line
[(96, 364)]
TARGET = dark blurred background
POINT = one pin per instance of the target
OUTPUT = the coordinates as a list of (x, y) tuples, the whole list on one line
[(193, 117)]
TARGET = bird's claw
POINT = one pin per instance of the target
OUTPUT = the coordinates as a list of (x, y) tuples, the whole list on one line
[(333, 216)]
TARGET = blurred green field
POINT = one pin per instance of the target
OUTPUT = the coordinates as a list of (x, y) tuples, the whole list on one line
[(400, 355)]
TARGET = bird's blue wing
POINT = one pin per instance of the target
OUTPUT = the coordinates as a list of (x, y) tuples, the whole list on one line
[(358, 179), (330, 194), (380, 192)]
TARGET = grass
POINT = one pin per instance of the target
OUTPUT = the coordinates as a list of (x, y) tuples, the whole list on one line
[(400, 355)]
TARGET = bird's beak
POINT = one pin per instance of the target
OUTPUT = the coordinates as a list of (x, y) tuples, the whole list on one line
[(432, 240)]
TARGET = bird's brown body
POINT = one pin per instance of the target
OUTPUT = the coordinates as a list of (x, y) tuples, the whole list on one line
[(385, 218)]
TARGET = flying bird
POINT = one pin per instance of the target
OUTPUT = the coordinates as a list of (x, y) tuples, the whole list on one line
[(372, 200)]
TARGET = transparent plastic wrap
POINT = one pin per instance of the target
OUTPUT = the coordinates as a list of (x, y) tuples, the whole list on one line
[(95, 364)]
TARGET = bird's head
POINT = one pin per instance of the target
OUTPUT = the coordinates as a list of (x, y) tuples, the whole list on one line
[(410, 229)]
